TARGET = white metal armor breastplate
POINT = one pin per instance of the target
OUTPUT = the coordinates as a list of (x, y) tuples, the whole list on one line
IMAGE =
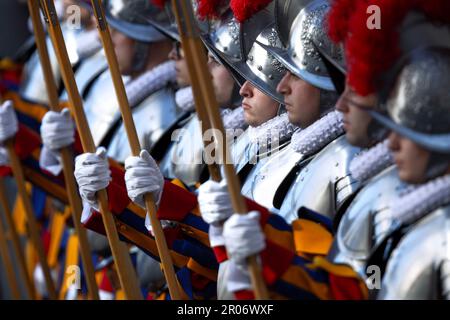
[(152, 118), (355, 236), (242, 151), (418, 268), (184, 160), (324, 183), (89, 69), (101, 107), (33, 86), (265, 177)]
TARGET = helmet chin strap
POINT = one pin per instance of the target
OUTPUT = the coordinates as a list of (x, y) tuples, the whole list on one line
[(141, 54), (437, 166), (328, 101), (281, 109)]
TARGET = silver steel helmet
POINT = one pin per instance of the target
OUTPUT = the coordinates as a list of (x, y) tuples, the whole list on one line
[(224, 40), (168, 27), (418, 106), (242, 50), (223, 43), (131, 17), (307, 31)]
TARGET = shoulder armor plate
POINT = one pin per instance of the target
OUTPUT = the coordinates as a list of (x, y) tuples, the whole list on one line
[(355, 236), (414, 270), (184, 160), (316, 184), (33, 85), (265, 177), (152, 117)]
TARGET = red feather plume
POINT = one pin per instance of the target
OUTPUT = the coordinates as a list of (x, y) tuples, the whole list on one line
[(159, 3), (245, 9), (338, 18), (210, 9), (371, 52)]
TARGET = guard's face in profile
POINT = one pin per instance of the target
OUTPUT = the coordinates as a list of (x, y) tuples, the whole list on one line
[(302, 100), (258, 107), (411, 159), (356, 119), (124, 48)]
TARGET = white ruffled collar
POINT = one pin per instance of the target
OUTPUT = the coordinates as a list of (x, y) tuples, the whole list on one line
[(233, 118), (371, 162), (421, 200), (185, 99), (310, 140), (149, 82), (274, 132)]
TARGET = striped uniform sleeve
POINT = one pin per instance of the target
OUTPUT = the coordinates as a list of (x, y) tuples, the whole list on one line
[(294, 264), (193, 259)]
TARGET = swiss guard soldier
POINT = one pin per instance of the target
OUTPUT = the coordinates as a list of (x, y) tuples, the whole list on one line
[(356, 225), (366, 223), (418, 116), (420, 25), (269, 129), (142, 52)]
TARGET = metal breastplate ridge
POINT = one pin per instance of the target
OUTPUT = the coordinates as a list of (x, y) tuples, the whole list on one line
[(316, 184), (356, 236), (418, 267)]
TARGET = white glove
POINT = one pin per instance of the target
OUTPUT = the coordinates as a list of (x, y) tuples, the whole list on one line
[(215, 234), (142, 175), (4, 158), (92, 174), (214, 202), (238, 277), (57, 129), (50, 160), (243, 236), (8, 121)]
